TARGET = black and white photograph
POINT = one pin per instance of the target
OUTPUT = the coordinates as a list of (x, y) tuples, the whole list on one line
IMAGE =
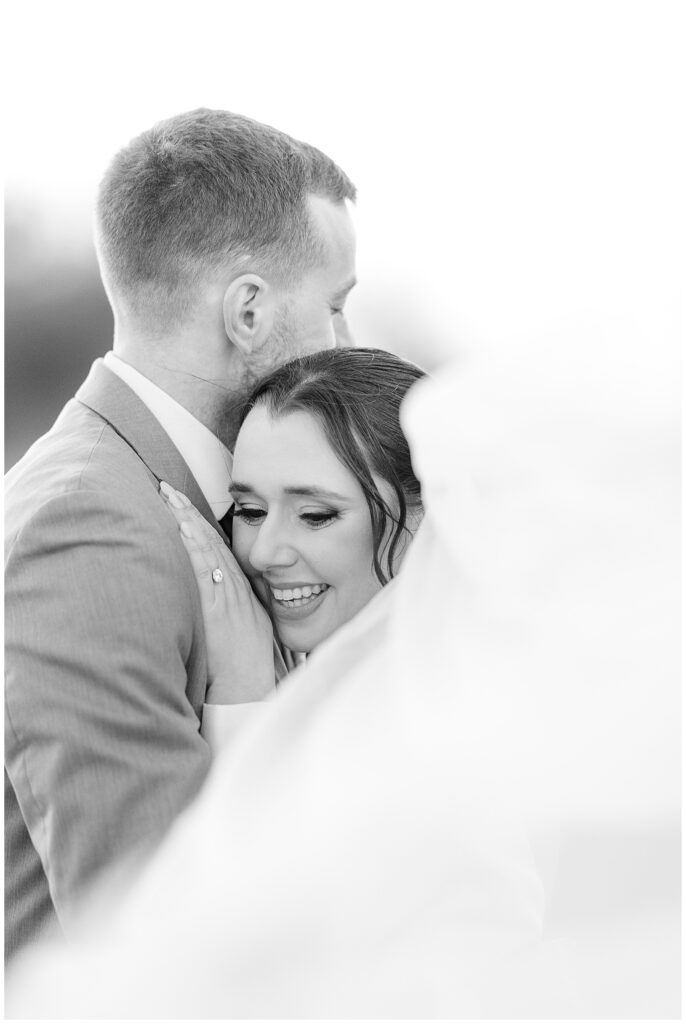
[(342, 509)]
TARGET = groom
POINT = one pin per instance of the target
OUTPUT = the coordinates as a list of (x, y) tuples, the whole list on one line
[(225, 247)]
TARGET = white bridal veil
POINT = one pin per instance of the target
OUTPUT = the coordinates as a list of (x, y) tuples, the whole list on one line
[(465, 803)]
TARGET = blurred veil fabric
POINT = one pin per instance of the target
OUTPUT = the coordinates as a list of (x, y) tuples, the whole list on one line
[(386, 839)]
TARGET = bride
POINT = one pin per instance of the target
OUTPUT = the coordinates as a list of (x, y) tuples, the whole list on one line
[(325, 504)]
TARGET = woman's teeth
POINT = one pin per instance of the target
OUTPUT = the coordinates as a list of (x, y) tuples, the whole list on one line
[(298, 595)]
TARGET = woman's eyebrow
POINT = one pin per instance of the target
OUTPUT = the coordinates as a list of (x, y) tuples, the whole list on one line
[(304, 491), (314, 492)]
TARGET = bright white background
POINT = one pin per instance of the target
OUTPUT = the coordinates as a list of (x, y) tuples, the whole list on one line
[(517, 162)]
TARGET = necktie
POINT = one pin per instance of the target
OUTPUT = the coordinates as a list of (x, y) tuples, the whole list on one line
[(226, 522)]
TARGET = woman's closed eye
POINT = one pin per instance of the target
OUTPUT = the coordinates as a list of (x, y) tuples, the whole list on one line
[(249, 514), (317, 519)]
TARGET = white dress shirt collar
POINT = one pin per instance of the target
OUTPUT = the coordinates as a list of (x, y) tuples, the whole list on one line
[(208, 459)]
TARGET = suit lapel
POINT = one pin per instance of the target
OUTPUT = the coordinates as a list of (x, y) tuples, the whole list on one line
[(107, 395)]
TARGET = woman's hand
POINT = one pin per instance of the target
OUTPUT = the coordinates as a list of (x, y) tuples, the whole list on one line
[(238, 631)]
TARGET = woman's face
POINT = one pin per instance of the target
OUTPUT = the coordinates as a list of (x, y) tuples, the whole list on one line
[(302, 530)]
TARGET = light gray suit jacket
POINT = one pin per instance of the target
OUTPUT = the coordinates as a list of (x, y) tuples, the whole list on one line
[(105, 655)]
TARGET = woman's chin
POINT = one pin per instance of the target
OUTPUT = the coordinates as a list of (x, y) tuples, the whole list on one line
[(302, 626), (303, 640), (303, 629)]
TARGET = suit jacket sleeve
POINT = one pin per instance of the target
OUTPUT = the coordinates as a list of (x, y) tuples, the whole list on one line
[(102, 744)]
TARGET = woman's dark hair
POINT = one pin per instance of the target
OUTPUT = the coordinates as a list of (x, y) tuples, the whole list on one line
[(355, 393)]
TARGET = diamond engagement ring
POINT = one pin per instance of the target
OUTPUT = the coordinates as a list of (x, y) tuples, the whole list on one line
[(217, 576)]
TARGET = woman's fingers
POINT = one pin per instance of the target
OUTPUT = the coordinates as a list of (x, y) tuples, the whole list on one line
[(238, 632), (202, 568), (204, 546), (203, 539)]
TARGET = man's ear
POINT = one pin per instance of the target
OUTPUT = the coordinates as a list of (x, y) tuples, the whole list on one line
[(249, 311)]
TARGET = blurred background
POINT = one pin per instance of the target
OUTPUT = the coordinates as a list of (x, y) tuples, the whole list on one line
[(520, 170), (516, 162)]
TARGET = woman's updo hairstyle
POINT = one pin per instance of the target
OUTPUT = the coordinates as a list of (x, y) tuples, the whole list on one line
[(355, 393)]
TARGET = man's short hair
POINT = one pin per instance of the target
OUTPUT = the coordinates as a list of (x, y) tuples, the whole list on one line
[(203, 190)]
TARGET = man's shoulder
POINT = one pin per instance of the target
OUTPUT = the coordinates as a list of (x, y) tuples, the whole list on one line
[(76, 437), (84, 455)]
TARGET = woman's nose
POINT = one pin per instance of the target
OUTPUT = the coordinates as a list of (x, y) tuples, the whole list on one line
[(272, 547)]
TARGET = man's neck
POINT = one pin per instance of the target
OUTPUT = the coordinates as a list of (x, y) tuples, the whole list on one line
[(214, 402)]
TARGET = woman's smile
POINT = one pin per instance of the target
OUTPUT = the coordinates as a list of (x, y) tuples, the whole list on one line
[(296, 593), (296, 602)]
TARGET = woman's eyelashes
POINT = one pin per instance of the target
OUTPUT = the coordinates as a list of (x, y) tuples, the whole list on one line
[(248, 515), (317, 519), (254, 516)]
